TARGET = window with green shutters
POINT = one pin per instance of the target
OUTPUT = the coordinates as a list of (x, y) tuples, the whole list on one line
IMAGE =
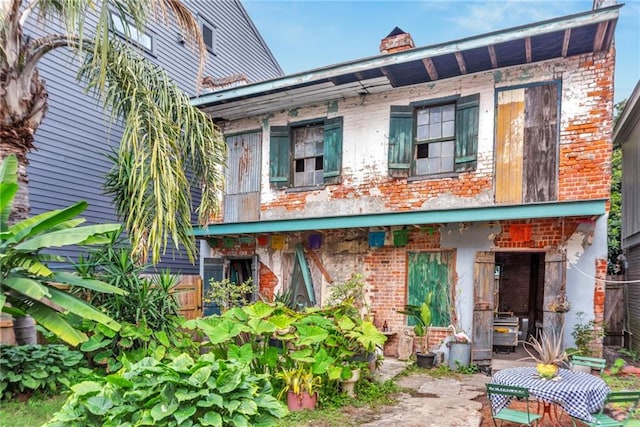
[(431, 138), (307, 154)]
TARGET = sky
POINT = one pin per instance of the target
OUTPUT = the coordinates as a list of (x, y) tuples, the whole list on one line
[(306, 34)]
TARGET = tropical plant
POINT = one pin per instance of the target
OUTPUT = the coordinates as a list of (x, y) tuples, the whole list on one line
[(299, 379), (226, 294), (548, 350), (164, 137), (585, 333), (184, 391), (422, 315), (29, 287), (38, 368)]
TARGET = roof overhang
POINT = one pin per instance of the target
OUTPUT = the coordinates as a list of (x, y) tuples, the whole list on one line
[(576, 34), (587, 208), (628, 118)]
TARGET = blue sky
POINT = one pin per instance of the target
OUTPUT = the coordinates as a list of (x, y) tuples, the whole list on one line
[(305, 34)]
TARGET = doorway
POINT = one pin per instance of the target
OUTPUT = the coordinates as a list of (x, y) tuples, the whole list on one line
[(236, 269)]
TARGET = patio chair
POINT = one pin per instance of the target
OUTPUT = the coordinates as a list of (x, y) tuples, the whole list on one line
[(516, 416), (626, 400), (592, 362)]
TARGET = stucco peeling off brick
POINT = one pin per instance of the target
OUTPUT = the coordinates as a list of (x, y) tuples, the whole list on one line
[(579, 240)]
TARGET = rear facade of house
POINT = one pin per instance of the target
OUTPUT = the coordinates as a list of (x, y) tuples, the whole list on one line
[(477, 170), (76, 135)]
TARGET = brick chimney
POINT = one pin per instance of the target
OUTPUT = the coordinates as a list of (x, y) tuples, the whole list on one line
[(396, 41)]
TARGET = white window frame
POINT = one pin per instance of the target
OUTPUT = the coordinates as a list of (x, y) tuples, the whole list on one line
[(206, 24), (129, 32)]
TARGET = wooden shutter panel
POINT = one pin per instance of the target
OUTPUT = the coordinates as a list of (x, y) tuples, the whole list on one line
[(279, 156), (467, 116), (332, 149), (400, 140)]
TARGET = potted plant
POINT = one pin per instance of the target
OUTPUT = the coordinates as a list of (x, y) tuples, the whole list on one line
[(422, 314), (301, 386), (547, 352)]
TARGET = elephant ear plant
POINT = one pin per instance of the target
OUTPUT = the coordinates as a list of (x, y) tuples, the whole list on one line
[(29, 287)]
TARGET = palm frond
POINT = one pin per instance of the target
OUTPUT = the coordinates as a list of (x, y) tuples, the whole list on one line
[(163, 137)]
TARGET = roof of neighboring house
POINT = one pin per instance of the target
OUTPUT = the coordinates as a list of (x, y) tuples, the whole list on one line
[(570, 35), (628, 118)]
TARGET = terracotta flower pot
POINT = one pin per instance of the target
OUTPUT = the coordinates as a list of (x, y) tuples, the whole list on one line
[(298, 402)]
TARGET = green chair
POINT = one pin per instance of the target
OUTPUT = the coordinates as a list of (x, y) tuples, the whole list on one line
[(591, 362), (625, 400), (516, 416)]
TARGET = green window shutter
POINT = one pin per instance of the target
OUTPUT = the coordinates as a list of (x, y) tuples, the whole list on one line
[(279, 156), (332, 149), (400, 140), (467, 116)]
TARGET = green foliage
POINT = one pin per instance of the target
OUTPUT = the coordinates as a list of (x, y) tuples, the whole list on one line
[(151, 322), (584, 333), (226, 294), (324, 341), (207, 391), (617, 365), (350, 293), (422, 315), (25, 277), (299, 379), (38, 368), (630, 353), (375, 394), (614, 222)]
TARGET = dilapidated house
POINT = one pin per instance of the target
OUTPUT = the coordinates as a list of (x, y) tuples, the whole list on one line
[(477, 169)]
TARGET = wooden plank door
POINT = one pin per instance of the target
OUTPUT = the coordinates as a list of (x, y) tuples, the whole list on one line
[(483, 289), (509, 146), (189, 295), (431, 272), (554, 285)]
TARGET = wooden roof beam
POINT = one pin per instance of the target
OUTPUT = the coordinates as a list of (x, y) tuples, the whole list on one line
[(527, 49), (599, 37), (565, 42), (461, 64), (492, 55), (431, 68)]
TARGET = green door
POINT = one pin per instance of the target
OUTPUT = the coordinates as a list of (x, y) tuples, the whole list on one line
[(431, 272)]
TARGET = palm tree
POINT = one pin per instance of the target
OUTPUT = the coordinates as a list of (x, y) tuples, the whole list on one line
[(163, 135)]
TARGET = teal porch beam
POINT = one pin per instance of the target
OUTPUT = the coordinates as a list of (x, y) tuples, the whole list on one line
[(477, 214)]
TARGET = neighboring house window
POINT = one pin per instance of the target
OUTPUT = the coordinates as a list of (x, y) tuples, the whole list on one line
[(208, 34), (306, 154), (446, 137), (129, 32), (526, 154)]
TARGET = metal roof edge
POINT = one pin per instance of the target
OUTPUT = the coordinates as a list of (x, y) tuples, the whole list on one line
[(475, 214), (320, 74)]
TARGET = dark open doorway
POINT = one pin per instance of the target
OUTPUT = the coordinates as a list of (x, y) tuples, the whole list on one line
[(518, 299)]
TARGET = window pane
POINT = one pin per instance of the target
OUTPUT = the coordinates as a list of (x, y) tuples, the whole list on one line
[(434, 131), (447, 164), (423, 132), (300, 165), (448, 128), (423, 117), (448, 112), (298, 151), (319, 163), (319, 148), (447, 148), (318, 177), (310, 149), (434, 165), (435, 149), (207, 36), (422, 166), (436, 115)]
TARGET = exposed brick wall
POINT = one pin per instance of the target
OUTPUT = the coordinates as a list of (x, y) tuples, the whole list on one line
[(268, 282)]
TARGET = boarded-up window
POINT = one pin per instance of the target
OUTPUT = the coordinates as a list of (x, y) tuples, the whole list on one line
[(306, 155), (433, 137), (431, 272), (242, 184), (526, 144)]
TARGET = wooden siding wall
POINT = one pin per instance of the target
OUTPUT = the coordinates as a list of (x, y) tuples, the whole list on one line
[(69, 164)]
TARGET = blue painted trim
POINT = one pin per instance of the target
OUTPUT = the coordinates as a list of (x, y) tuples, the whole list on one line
[(490, 213)]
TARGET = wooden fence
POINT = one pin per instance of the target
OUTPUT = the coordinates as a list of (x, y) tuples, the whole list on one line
[(614, 307)]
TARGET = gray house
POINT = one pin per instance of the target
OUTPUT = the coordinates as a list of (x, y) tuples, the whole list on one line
[(627, 135), (69, 164)]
